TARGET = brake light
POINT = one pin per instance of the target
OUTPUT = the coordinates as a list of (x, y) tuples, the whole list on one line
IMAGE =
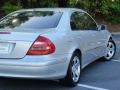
[(41, 46)]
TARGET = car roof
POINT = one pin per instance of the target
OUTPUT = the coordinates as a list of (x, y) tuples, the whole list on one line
[(53, 9)]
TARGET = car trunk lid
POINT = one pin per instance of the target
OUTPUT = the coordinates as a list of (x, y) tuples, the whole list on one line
[(16, 43)]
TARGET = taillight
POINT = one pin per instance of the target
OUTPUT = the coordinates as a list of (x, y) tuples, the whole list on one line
[(41, 46)]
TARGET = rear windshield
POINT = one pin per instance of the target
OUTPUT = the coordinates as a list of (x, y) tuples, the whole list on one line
[(31, 19)]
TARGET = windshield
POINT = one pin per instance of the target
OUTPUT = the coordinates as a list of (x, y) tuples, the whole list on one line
[(31, 19)]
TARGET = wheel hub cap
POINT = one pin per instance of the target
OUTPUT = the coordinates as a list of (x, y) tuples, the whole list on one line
[(76, 69), (110, 50)]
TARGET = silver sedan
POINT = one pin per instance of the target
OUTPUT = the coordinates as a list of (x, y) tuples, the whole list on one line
[(54, 43)]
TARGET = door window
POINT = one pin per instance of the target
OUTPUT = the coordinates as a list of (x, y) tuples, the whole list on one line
[(82, 21)]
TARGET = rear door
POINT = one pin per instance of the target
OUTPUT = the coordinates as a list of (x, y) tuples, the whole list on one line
[(98, 43), (85, 32)]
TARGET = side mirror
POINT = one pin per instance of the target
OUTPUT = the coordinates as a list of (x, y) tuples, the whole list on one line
[(102, 27)]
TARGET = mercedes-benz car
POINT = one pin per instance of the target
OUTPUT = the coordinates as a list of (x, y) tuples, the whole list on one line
[(51, 44)]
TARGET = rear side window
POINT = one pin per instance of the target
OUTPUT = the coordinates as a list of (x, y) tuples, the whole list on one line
[(82, 21), (31, 19)]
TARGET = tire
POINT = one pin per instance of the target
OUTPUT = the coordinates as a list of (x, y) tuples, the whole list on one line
[(73, 74), (111, 50)]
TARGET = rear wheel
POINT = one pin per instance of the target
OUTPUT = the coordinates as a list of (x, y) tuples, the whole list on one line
[(73, 74), (111, 49)]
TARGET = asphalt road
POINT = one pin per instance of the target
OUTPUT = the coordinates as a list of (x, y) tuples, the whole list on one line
[(100, 75)]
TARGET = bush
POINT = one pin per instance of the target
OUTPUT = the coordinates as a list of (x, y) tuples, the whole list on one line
[(8, 7), (111, 10)]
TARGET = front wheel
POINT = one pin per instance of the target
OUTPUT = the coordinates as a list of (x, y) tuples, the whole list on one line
[(73, 73), (111, 49)]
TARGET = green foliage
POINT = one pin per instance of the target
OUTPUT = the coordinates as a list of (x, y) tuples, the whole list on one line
[(109, 9), (80, 4), (8, 7), (45, 3), (48, 3)]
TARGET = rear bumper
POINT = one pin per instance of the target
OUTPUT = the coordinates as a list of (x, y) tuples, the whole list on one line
[(54, 71), (48, 69)]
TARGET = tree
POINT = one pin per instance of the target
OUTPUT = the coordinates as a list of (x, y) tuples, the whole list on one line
[(63, 3), (107, 8), (24, 3)]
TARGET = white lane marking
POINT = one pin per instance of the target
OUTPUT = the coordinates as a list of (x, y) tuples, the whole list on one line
[(115, 60), (91, 87)]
